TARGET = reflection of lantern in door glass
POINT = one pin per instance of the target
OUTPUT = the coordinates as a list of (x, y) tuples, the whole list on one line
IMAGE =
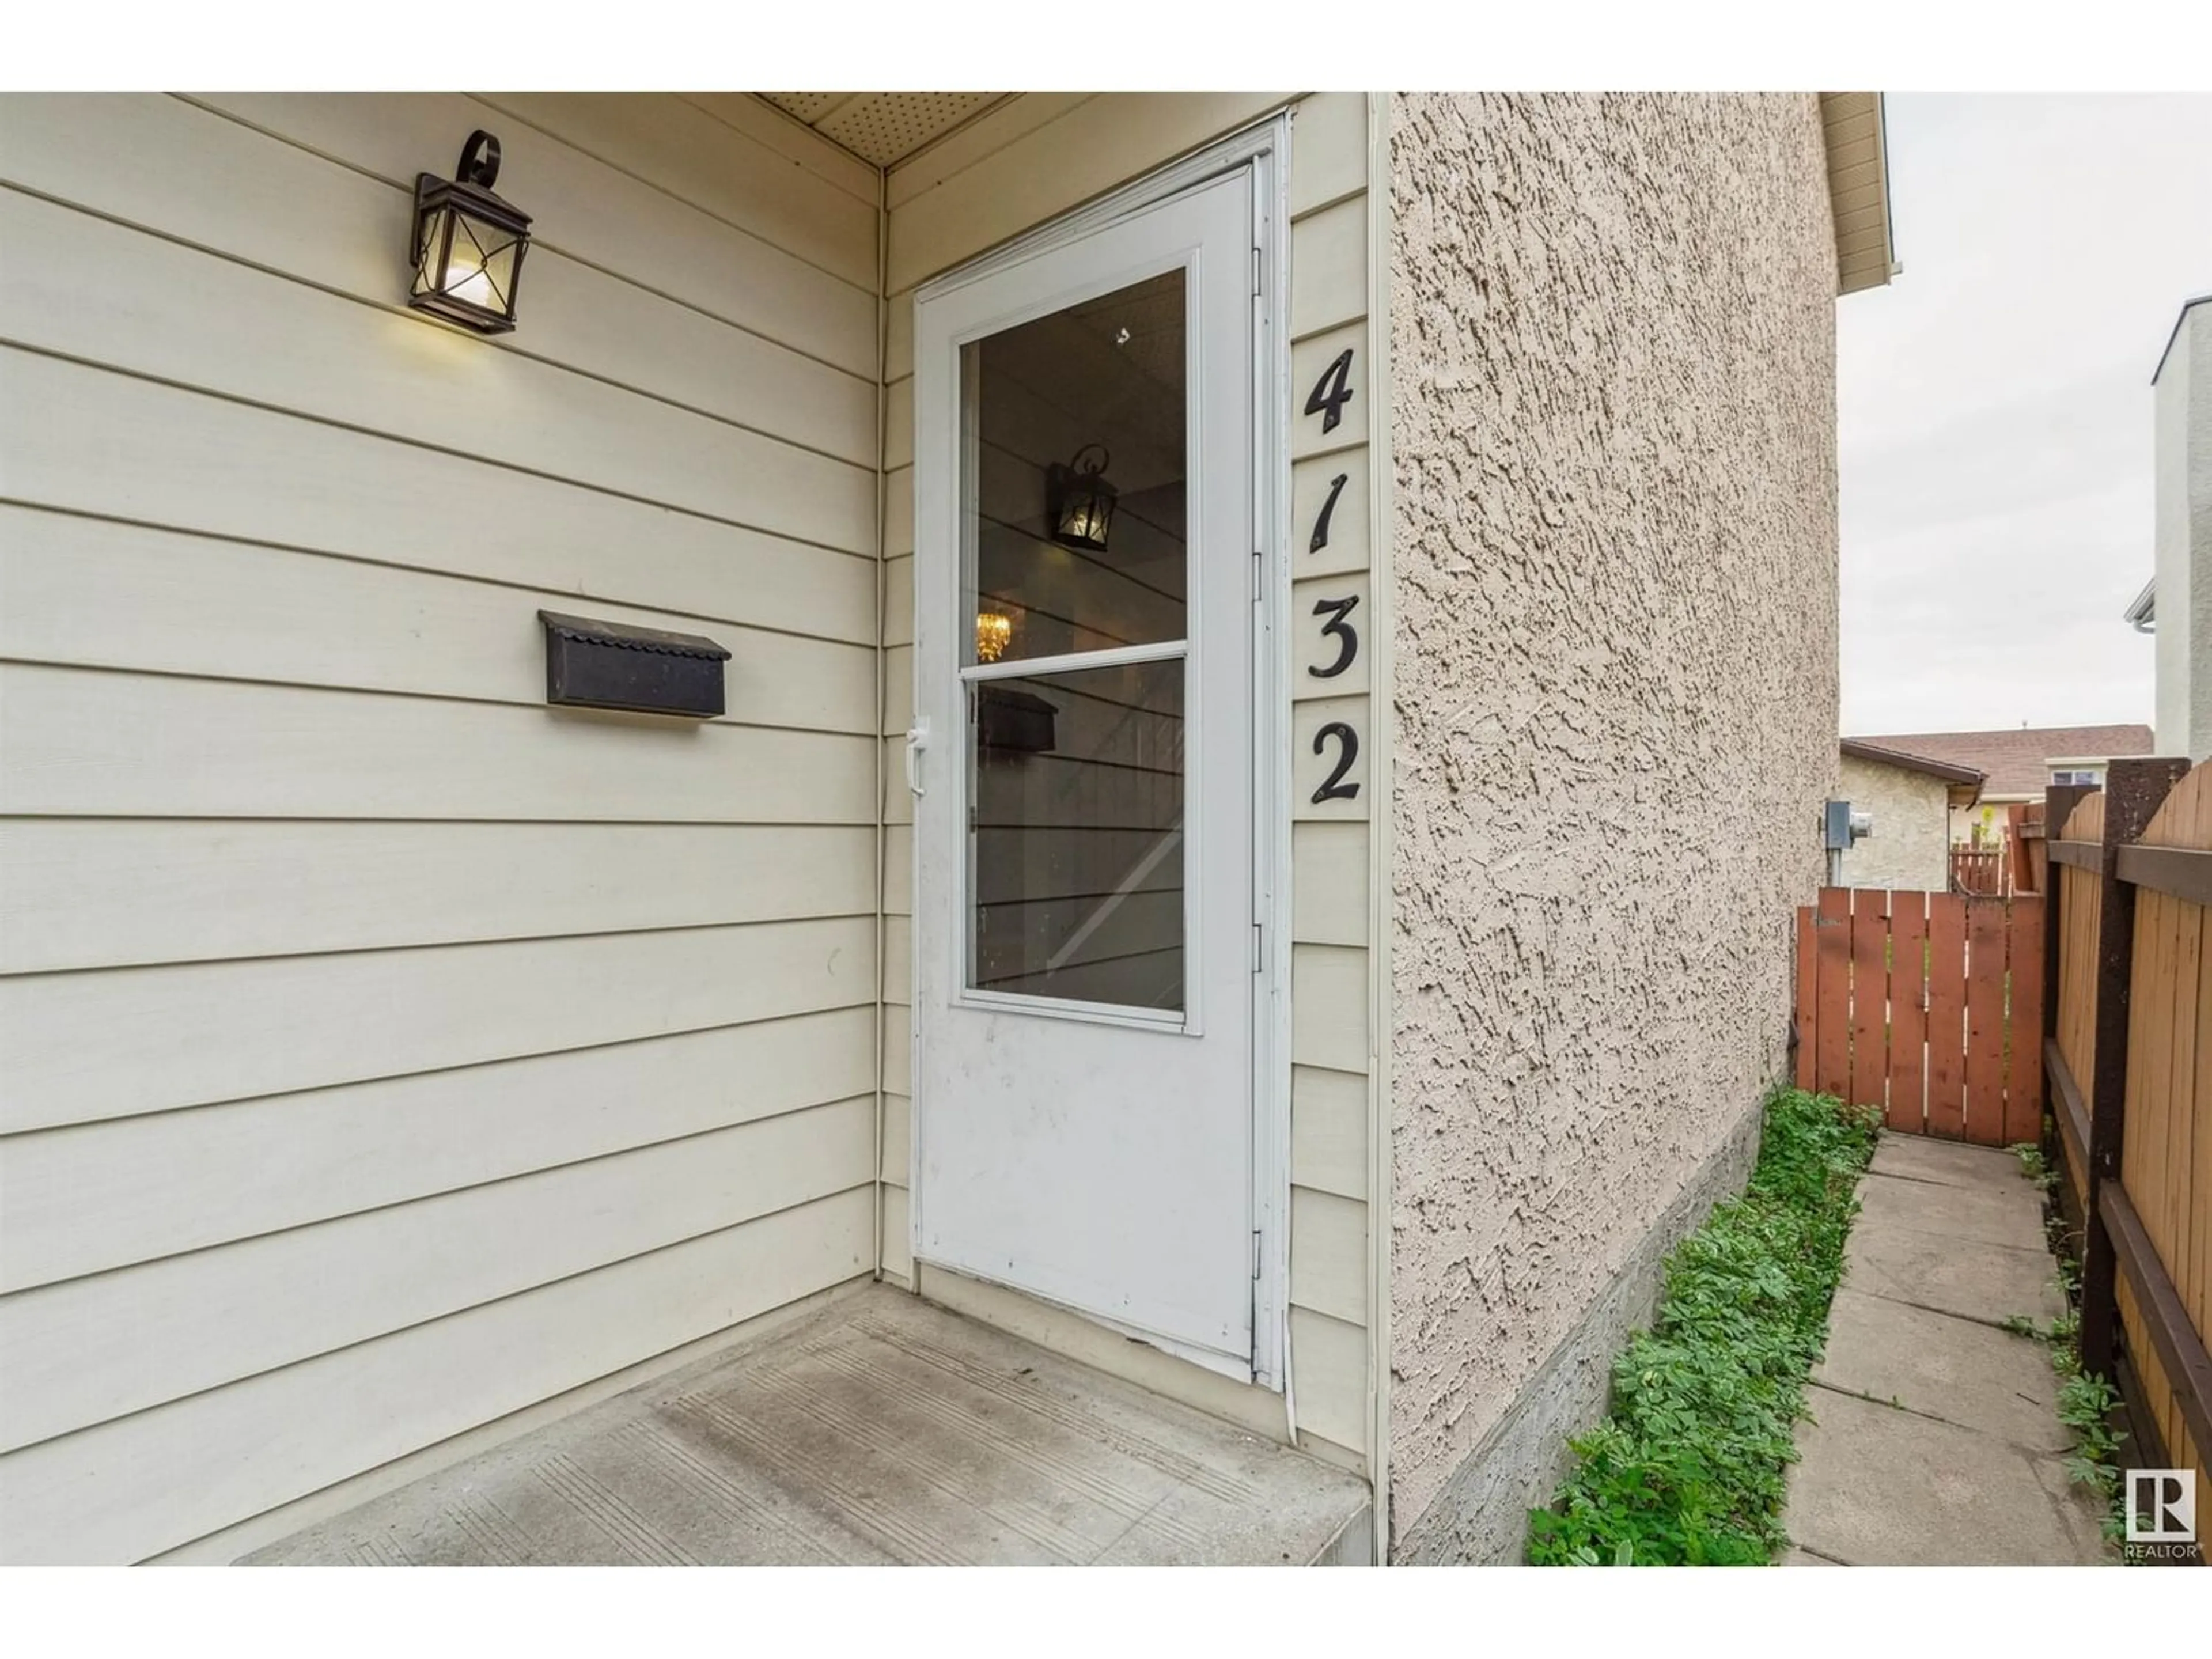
[(994, 631), (1082, 499)]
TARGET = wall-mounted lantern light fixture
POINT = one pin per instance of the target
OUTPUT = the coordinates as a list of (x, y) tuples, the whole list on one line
[(469, 244), (1081, 500)]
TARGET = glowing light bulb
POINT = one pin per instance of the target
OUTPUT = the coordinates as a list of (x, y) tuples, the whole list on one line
[(993, 633)]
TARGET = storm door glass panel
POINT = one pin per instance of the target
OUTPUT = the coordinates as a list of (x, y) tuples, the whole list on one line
[(1076, 826), (1075, 513), (1076, 566)]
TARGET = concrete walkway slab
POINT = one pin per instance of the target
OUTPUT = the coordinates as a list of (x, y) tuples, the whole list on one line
[(1933, 1437), (1945, 1163), (1972, 1374), (1978, 1214), (881, 1431), (1991, 1283), (1878, 1485)]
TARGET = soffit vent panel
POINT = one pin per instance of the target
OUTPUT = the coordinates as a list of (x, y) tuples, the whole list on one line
[(882, 128), (808, 107)]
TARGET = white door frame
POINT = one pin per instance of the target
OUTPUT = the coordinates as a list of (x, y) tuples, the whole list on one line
[(1265, 147)]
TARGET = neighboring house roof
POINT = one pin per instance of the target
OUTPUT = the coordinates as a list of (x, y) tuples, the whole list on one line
[(1949, 771), (1858, 189), (2142, 610), (1965, 781), (2013, 763)]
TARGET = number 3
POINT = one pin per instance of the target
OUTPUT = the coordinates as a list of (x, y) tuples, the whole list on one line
[(1347, 638)]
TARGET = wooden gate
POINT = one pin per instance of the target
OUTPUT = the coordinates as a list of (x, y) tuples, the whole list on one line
[(1928, 1006)]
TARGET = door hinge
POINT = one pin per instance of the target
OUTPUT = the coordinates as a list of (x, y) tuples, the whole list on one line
[(1255, 273), (1256, 1253), (1259, 946)]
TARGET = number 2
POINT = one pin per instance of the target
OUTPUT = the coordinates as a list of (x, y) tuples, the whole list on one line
[(1332, 788)]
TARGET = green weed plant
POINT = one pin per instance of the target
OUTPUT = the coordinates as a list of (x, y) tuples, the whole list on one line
[(1688, 1467)]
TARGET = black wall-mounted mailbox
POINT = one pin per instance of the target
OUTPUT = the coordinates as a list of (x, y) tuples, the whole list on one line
[(602, 664)]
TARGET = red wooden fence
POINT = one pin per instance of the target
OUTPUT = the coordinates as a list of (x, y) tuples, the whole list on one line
[(2003, 864), (1927, 1004), (1981, 870)]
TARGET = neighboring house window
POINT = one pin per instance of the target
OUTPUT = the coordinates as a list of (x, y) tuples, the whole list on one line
[(2094, 778)]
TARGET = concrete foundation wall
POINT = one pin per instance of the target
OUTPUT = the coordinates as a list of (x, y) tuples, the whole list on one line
[(1614, 578), (1481, 1516)]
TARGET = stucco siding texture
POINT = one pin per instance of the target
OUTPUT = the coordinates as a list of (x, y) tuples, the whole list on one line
[(1911, 846), (1613, 418)]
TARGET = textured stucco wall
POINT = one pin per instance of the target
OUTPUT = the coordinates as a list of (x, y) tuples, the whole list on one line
[(1613, 350), (1911, 846)]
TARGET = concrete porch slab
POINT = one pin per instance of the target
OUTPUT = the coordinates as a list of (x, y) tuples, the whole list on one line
[(1965, 1373), (881, 1431), (1985, 1215)]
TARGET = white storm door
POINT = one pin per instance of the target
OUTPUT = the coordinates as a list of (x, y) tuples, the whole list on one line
[(1086, 950)]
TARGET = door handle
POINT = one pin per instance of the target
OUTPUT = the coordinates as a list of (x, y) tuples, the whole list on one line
[(917, 740)]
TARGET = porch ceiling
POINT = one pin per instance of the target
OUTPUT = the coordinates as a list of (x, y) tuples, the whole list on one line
[(883, 128)]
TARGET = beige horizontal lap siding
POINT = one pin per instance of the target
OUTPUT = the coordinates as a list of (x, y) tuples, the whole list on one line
[(1026, 161), (1331, 914), (389, 1055)]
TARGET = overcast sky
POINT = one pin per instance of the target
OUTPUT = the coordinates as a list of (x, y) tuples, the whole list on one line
[(1996, 406)]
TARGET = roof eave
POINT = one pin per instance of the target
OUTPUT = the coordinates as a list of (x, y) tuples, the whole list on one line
[(1854, 127), (1949, 771)]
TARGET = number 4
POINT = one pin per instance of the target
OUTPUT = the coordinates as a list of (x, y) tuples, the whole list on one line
[(1332, 391)]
